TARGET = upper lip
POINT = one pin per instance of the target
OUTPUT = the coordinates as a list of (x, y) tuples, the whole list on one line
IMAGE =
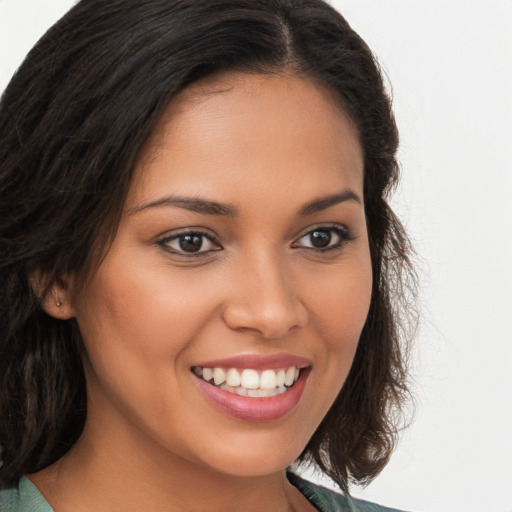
[(258, 362)]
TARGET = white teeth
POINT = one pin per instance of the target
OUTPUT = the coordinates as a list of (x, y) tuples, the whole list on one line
[(250, 379), (219, 376), (290, 375), (233, 377), (268, 380), (250, 382), (207, 374), (225, 387), (254, 393)]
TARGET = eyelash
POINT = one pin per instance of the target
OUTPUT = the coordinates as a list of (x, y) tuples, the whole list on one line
[(342, 235), (179, 237)]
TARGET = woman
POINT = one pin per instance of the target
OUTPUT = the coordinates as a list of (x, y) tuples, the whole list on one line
[(197, 260)]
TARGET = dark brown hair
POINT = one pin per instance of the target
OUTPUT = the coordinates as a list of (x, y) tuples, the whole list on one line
[(72, 122)]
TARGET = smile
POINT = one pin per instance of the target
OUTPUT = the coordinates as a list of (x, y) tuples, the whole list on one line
[(253, 387), (249, 382)]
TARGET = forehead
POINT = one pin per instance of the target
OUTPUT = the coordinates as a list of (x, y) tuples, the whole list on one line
[(273, 127)]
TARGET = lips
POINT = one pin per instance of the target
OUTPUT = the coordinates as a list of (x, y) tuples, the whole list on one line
[(254, 388)]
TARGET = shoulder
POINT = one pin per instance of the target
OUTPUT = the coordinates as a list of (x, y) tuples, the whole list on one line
[(23, 498), (329, 501), (9, 500)]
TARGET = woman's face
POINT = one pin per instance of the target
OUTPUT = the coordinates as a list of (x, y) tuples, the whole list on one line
[(242, 254)]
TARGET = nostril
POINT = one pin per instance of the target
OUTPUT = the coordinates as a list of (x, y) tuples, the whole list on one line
[(271, 321)]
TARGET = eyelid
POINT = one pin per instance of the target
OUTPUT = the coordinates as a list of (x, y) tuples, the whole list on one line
[(342, 231), (164, 240), (323, 225)]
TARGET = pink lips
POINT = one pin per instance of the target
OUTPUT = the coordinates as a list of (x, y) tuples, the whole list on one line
[(256, 409)]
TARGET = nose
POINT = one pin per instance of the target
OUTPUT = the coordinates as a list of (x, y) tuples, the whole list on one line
[(264, 301)]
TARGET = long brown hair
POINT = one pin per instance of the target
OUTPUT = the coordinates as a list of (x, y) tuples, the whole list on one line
[(72, 122)]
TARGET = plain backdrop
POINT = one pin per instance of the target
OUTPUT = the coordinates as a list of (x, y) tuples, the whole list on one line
[(449, 63)]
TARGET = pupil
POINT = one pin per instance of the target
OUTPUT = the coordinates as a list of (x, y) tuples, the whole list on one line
[(320, 239), (191, 243)]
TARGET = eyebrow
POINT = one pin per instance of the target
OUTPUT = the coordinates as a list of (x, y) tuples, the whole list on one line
[(192, 204), (322, 203), (206, 207)]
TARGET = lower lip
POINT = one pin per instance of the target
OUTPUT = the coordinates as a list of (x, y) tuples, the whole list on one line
[(258, 408)]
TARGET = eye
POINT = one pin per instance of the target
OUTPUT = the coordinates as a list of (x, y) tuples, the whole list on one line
[(189, 243), (323, 238)]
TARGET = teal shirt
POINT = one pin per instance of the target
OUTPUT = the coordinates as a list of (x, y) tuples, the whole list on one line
[(26, 498), (326, 500)]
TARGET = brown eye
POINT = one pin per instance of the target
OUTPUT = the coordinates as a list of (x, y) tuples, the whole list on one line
[(323, 238), (320, 239), (190, 243)]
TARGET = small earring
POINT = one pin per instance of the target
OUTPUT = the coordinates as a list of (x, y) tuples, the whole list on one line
[(59, 303)]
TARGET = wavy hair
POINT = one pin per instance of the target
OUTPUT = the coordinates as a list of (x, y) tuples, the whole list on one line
[(72, 122)]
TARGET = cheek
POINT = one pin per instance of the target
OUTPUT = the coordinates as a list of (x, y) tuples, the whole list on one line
[(341, 308), (136, 321), (338, 311), (142, 312)]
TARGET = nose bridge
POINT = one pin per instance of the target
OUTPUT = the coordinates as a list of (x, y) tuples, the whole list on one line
[(264, 297)]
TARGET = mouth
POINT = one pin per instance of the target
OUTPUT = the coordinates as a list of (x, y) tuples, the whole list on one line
[(254, 388), (249, 382)]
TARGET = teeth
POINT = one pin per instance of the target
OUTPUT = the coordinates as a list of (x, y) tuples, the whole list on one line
[(250, 379), (219, 376), (250, 382), (233, 377), (207, 374), (289, 377), (268, 380)]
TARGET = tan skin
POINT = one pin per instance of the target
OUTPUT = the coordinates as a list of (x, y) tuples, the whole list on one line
[(266, 146)]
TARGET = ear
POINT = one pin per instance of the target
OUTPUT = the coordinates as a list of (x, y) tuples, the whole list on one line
[(56, 297)]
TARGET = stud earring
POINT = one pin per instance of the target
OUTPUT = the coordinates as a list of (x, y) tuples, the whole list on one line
[(59, 303)]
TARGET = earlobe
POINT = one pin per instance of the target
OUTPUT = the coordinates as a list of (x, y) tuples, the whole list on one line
[(55, 298), (57, 304)]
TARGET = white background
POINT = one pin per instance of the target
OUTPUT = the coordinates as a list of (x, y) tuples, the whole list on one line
[(450, 66)]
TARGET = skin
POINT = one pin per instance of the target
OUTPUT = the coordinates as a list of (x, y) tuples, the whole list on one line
[(267, 146)]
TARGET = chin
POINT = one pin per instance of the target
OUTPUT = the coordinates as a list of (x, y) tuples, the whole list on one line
[(253, 465), (253, 457)]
